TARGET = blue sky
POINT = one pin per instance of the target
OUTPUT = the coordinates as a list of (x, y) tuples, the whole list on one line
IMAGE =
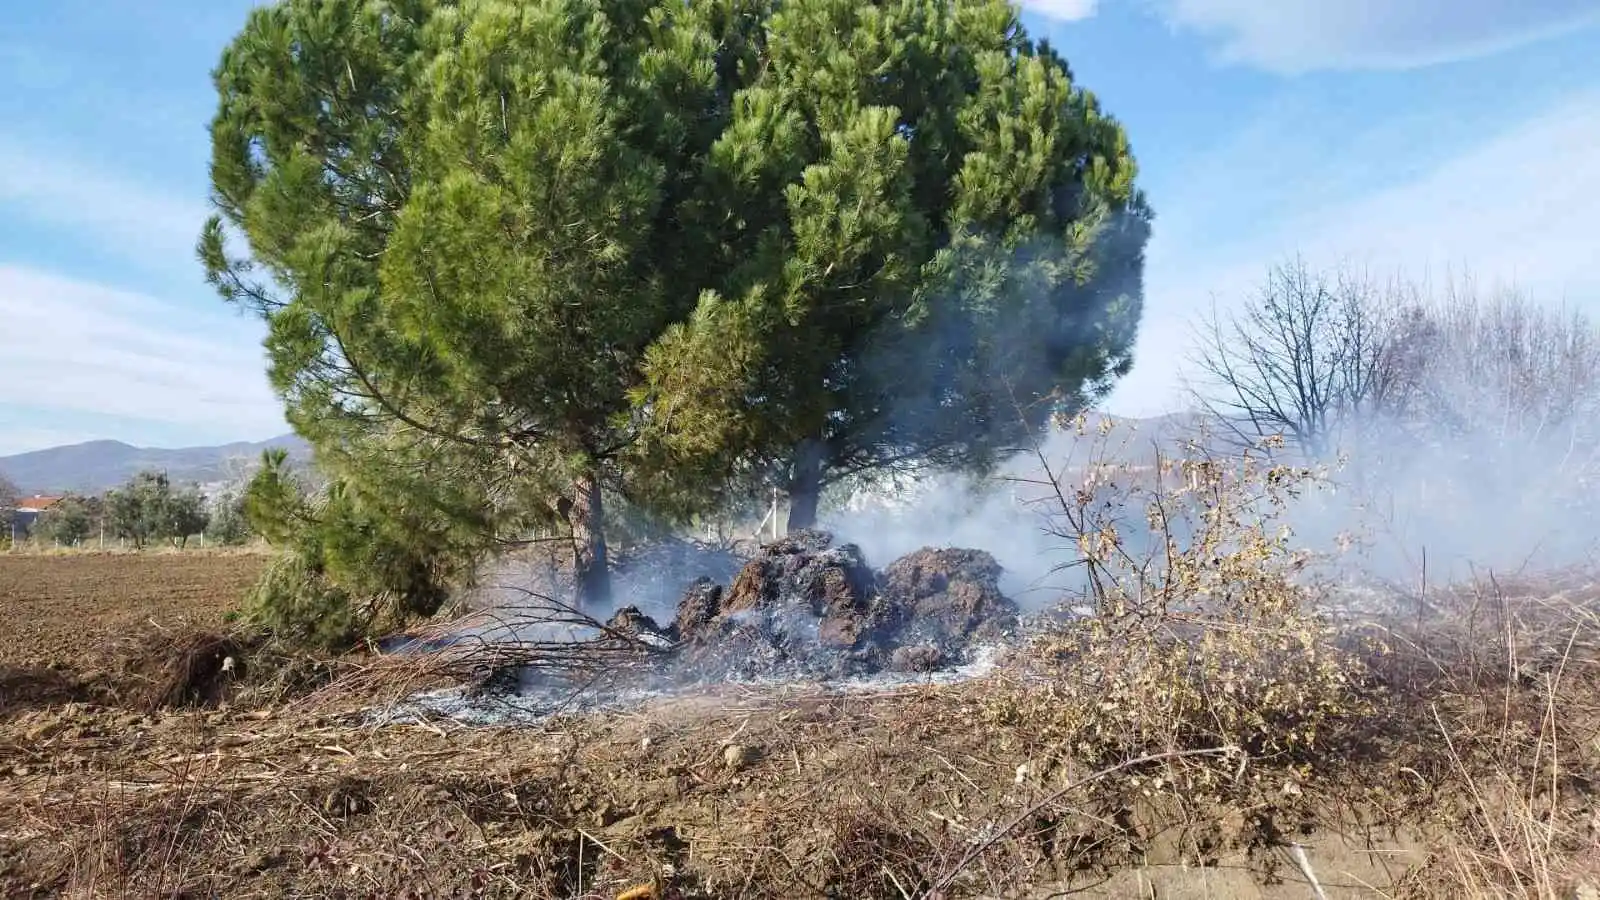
[(1432, 136)]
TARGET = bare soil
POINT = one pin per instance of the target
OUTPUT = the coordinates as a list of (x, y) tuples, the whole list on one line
[(57, 607), (134, 788)]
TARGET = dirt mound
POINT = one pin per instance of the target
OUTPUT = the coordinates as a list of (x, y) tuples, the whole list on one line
[(699, 607), (28, 687), (806, 607), (631, 623)]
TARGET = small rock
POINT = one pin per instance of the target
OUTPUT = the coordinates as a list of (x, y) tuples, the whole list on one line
[(258, 861), (918, 658), (41, 732), (737, 756)]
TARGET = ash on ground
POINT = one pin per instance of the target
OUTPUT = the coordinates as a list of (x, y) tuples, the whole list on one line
[(801, 610)]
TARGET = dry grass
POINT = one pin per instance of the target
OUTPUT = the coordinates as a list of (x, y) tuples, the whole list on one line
[(793, 791), (1507, 674)]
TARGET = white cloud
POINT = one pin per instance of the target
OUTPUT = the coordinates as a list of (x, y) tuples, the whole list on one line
[(1302, 35), (1520, 208), (1523, 207), (155, 229), (74, 347), (1062, 10)]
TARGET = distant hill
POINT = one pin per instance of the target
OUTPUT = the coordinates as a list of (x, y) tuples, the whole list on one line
[(100, 465)]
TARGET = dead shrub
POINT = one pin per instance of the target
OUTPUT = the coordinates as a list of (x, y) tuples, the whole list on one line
[(1502, 676), (181, 669), (277, 674), (1203, 632), (160, 669), (870, 855)]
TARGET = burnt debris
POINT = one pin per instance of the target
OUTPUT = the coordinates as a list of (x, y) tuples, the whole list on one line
[(805, 608)]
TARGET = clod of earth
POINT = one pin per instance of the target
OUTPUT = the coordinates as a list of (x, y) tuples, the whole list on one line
[(736, 756), (806, 608)]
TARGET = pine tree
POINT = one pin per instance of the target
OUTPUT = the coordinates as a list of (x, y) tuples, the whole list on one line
[(347, 565), (515, 255), (933, 246)]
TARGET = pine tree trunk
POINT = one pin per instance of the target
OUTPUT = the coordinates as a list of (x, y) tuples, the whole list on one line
[(805, 486), (591, 570)]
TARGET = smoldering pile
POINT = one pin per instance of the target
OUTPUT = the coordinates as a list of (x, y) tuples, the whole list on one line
[(800, 609), (804, 608)]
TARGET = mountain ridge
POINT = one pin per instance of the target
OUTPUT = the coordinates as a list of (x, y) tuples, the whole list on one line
[(94, 466), (91, 467)]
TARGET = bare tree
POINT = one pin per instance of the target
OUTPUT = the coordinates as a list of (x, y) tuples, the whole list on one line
[(1504, 372), (1496, 455), (1471, 420), (1306, 357)]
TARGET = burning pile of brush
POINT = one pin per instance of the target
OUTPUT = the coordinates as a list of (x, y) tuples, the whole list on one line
[(801, 608), (805, 608)]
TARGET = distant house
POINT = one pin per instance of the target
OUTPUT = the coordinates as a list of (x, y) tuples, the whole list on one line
[(27, 512)]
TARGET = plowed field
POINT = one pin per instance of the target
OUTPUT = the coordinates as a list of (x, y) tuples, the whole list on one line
[(60, 607)]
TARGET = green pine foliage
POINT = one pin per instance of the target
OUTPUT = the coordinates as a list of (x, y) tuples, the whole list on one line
[(933, 242), (516, 257), (296, 602), (347, 567)]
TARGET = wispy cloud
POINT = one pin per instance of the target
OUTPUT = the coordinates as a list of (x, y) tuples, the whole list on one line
[(1520, 208), (1523, 207), (1063, 10), (77, 347), (153, 228), (1293, 36)]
